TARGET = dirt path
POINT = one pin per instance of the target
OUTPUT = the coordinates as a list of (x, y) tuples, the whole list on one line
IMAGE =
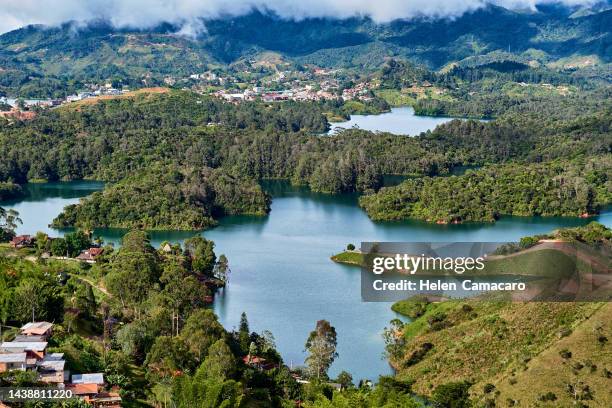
[(93, 284)]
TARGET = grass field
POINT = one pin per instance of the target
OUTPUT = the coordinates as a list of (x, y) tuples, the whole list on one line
[(349, 257)]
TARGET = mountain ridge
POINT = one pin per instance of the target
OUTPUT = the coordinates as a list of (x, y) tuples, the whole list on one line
[(98, 51)]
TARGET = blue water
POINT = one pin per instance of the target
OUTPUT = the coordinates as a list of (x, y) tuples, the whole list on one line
[(281, 272), (401, 121)]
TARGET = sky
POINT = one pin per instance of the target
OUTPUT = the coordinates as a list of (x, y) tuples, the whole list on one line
[(187, 13)]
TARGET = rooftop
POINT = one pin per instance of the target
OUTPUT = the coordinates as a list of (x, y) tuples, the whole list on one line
[(52, 365), (36, 328), (93, 378), (82, 389), (24, 345), (20, 338), (13, 358)]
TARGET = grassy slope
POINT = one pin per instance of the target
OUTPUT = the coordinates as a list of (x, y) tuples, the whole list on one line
[(550, 372), (496, 341)]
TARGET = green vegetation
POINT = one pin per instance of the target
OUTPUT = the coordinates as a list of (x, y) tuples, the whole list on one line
[(149, 331), (349, 257), (148, 132), (165, 197), (10, 191), (180, 160), (504, 348), (552, 189), (53, 61), (9, 219)]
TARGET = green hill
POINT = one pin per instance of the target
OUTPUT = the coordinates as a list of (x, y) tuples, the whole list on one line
[(38, 60)]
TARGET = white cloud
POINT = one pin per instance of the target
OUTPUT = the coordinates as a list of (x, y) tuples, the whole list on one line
[(147, 13)]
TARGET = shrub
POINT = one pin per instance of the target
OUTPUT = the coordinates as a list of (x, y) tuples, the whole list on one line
[(418, 355), (452, 395), (488, 388), (549, 396), (565, 353), (528, 242)]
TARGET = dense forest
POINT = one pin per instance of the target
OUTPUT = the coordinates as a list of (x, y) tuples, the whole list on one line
[(115, 139), (557, 188), (166, 197)]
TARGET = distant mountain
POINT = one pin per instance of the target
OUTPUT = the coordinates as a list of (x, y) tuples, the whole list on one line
[(44, 55)]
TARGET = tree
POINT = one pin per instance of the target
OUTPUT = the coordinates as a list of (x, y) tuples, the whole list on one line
[(222, 269), (321, 346), (201, 254), (395, 341), (59, 247), (252, 350), (134, 270), (268, 343), (200, 331), (167, 356), (9, 219), (452, 395), (42, 242), (345, 379), (76, 242), (220, 363), (37, 299), (244, 334), (181, 292), (135, 339), (350, 247)]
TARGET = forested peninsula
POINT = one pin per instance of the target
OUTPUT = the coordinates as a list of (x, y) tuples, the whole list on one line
[(168, 197), (559, 188)]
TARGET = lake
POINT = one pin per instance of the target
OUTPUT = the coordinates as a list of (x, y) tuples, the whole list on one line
[(281, 272), (401, 121)]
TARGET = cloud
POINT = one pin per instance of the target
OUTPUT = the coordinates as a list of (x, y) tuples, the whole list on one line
[(187, 13)]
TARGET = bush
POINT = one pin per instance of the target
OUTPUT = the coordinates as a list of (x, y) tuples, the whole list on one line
[(549, 396), (488, 388), (418, 355), (565, 353), (528, 242), (350, 247), (452, 395)]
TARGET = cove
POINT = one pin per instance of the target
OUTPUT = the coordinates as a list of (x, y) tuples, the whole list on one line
[(401, 121), (281, 272)]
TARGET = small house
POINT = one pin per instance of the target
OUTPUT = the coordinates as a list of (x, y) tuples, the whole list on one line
[(35, 350), (13, 362), (51, 369), (39, 329), (22, 241), (90, 255)]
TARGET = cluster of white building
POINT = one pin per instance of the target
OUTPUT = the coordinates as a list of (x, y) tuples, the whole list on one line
[(49, 102), (28, 352)]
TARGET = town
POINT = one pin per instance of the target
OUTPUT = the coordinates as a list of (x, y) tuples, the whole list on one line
[(249, 84), (29, 352)]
